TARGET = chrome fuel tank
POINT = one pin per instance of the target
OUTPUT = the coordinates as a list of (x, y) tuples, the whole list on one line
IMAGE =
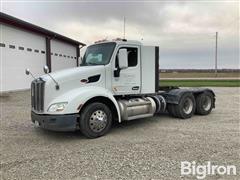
[(136, 108)]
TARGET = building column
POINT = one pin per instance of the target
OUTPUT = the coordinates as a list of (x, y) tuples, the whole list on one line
[(48, 53), (77, 55)]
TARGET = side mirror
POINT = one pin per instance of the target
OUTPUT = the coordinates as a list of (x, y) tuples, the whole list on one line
[(123, 58), (27, 71), (46, 69)]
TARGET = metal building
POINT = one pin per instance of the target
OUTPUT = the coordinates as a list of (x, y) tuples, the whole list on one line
[(24, 45)]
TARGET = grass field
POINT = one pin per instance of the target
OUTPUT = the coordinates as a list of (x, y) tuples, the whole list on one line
[(198, 75), (201, 83)]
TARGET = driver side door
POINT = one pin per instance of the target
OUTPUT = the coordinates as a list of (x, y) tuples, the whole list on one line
[(127, 81)]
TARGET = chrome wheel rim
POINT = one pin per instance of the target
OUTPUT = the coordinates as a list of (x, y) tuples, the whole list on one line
[(207, 103), (98, 121), (187, 106)]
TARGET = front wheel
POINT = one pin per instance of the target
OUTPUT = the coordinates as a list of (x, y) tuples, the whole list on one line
[(95, 120)]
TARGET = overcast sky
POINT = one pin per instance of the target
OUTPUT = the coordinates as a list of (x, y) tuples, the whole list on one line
[(185, 31)]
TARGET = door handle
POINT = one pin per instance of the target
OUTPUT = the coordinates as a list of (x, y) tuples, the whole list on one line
[(135, 88)]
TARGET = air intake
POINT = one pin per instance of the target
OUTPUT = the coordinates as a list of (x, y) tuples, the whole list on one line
[(37, 94)]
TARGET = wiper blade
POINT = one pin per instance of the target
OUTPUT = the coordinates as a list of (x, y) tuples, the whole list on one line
[(92, 63)]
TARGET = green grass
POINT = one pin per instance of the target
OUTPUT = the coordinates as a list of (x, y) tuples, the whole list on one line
[(201, 83), (198, 74)]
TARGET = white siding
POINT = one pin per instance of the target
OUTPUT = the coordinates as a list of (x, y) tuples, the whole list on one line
[(67, 58), (14, 61)]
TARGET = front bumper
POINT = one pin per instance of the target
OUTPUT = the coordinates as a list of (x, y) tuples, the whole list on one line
[(67, 122)]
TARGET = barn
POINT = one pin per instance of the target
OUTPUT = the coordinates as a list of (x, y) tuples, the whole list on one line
[(24, 45)]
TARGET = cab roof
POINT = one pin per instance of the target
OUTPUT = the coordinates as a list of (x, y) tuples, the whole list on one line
[(119, 41)]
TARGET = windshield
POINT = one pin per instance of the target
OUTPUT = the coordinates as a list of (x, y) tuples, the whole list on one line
[(99, 54)]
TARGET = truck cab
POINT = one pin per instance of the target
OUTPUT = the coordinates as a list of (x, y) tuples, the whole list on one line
[(117, 81)]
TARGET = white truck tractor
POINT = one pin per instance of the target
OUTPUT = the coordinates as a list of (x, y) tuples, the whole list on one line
[(117, 81)]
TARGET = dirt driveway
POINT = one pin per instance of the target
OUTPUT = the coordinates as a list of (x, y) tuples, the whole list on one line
[(151, 148)]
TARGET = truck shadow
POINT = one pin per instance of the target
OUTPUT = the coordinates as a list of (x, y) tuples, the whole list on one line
[(117, 128), (59, 136)]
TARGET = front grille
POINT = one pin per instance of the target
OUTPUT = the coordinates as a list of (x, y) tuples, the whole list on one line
[(37, 94)]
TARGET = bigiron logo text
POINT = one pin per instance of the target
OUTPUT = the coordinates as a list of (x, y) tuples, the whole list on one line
[(201, 171)]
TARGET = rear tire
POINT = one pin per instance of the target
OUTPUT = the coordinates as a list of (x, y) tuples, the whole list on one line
[(95, 120), (204, 103), (186, 107)]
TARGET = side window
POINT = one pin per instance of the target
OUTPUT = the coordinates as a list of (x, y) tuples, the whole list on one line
[(132, 57)]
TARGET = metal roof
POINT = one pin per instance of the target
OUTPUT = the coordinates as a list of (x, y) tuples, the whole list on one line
[(7, 19)]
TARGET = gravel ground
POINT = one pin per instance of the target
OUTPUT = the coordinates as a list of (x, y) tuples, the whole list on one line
[(150, 148)]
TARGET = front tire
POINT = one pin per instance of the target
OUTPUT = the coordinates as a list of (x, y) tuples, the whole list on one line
[(95, 120)]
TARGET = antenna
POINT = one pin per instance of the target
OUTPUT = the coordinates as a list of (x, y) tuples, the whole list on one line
[(216, 53), (124, 21)]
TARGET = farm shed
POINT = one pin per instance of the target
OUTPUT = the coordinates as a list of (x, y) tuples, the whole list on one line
[(24, 45)]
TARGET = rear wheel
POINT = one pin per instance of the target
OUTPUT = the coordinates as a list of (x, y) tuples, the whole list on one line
[(95, 120), (204, 103), (185, 108)]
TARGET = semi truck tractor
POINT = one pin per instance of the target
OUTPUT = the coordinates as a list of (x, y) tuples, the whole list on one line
[(118, 81)]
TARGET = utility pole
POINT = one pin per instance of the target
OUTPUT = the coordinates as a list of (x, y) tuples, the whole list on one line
[(216, 48), (124, 27)]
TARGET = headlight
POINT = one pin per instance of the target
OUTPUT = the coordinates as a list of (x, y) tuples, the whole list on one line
[(57, 107)]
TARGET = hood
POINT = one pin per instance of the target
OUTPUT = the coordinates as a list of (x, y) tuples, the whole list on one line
[(70, 79), (72, 74)]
